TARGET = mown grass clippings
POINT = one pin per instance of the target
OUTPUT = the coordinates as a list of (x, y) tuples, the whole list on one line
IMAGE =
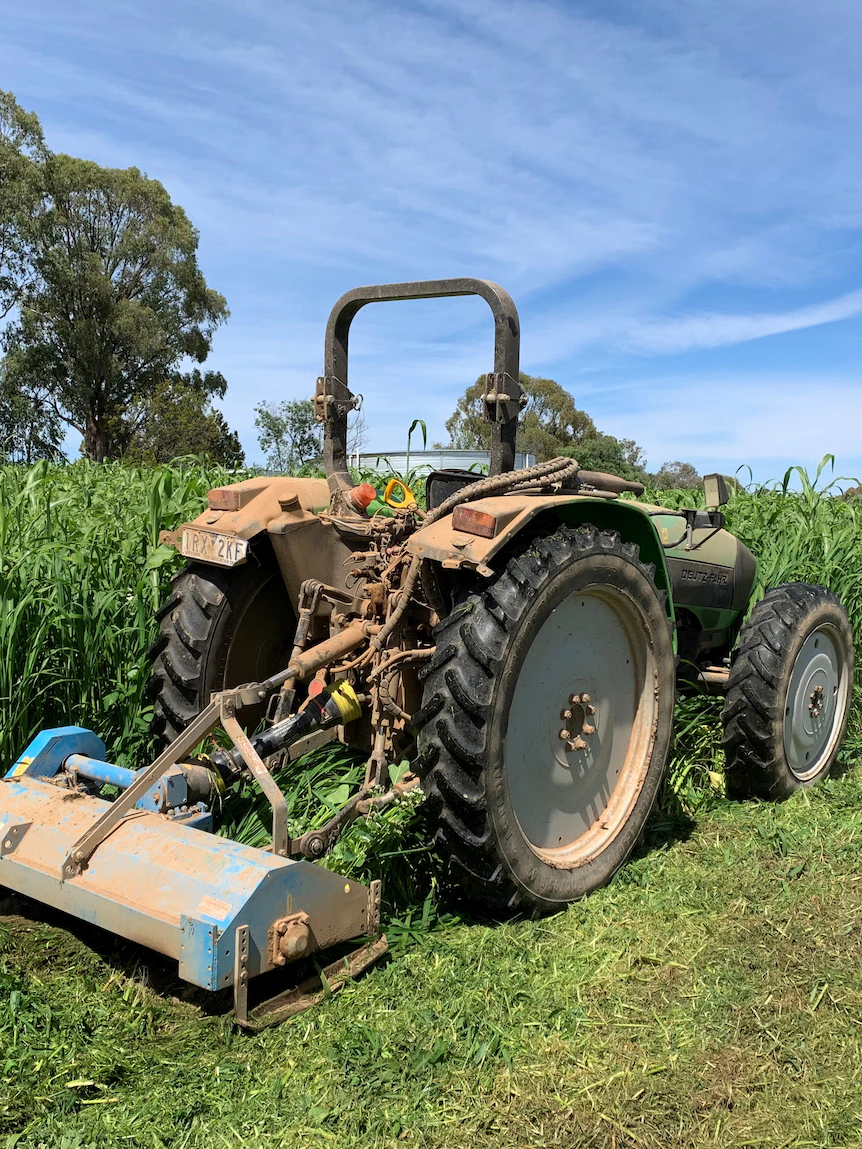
[(709, 995)]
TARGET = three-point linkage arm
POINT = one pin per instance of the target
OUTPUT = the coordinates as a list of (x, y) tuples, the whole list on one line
[(502, 399)]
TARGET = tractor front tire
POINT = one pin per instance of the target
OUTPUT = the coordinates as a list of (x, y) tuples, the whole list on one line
[(788, 695), (218, 628), (546, 719)]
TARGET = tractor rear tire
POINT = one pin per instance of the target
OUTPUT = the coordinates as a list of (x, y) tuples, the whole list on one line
[(788, 695), (218, 628), (572, 638)]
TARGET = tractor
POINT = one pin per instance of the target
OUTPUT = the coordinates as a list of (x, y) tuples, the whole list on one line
[(521, 639)]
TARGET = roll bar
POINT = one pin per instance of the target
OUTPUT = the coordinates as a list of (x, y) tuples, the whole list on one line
[(502, 400)]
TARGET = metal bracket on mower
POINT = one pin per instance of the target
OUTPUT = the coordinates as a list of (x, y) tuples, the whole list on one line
[(125, 805), (220, 711), (312, 991), (11, 834), (277, 800)]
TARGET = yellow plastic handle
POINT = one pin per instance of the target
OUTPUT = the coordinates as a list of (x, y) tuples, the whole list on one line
[(409, 499)]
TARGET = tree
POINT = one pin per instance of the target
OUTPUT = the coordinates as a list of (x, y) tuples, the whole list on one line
[(621, 457), (21, 150), (288, 433), (549, 424), (116, 300), (179, 419), (29, 427), (675, 476)]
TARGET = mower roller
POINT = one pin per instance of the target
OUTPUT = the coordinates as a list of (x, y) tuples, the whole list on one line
[(521, 641)]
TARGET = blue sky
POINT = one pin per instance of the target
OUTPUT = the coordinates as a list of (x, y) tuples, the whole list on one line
[(669, 190)]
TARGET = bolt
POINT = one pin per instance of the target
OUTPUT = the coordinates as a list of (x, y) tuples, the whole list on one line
[(590, 709), (565, 735), (576, 744), (566, 714), (585, 698), (588, 729)]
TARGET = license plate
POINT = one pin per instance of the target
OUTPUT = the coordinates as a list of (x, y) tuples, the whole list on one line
[(211, 547)]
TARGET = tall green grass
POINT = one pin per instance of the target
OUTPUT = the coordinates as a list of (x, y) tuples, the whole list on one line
[(81, 576), (82, 573)]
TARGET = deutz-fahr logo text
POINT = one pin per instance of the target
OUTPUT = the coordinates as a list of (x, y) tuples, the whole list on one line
[(696, 574)]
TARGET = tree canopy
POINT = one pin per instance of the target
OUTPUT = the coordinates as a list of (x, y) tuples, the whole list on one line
[(551, 425), (22, 147), (179, 419), (101, 268), (675, 476), (288, 433), (30, 429), (614, 456), (550, 422)]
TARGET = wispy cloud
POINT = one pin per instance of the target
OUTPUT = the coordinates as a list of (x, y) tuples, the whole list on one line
[(689, 332)]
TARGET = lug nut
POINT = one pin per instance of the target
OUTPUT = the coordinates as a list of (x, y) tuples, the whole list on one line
[(565, 735), (316, 847), (576, 744), (588, 729), (566, 714)]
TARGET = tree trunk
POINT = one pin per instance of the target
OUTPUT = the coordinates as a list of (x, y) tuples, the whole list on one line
[(95, 444)]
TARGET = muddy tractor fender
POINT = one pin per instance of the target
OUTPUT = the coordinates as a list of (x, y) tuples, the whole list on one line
[(280, 510), (475, 533)]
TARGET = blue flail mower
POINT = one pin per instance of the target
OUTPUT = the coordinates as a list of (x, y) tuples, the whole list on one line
[(146, 866)]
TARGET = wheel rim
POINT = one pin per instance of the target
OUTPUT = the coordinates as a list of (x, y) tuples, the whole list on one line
[(591, 657), (816, 703)]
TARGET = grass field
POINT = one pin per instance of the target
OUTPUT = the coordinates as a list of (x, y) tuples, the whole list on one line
[(711, 995)]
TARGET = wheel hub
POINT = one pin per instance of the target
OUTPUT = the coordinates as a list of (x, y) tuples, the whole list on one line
[(815, 704), (579, 718)]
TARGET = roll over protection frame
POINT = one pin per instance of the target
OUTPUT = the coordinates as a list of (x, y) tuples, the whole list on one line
[(334, 400)]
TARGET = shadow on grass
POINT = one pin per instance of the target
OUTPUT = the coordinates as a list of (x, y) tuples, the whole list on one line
[(669, 822), (22, 914)]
